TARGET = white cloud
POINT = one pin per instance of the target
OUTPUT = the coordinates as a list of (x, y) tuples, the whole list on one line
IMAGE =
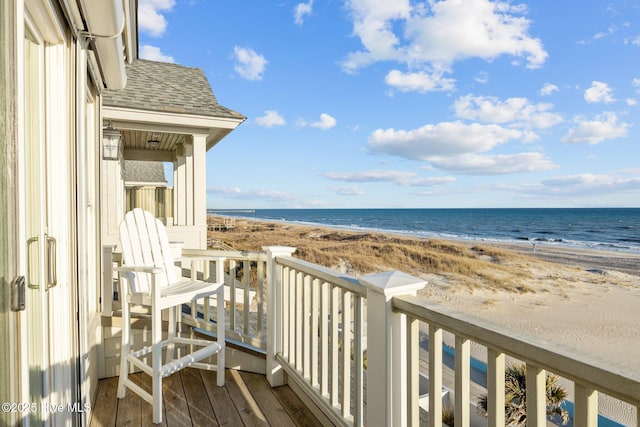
[(631, 102), (150, 19), (432, 181), (238, 193), (270, 119), (481, 77), (548, 89), (582, 185), (351, 190), (419, 81), (371, 176), (604, 127), (515, 111), (427, 35), (599, 92), (249, 64), (402, 178), (484, 164), (272, 197), (153, 53), (442, 139), (301, 10), (326, 122), (603, 34)]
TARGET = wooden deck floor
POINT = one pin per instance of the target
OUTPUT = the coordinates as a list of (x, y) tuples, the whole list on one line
[(192, 398)]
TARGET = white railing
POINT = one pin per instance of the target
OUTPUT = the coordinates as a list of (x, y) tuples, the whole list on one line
[(313, 310), (317, 330), (589, 376), (245, 292), (245, 296), (323, 331)]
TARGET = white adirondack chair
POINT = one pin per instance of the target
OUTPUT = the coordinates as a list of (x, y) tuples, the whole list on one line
[(149, 277)]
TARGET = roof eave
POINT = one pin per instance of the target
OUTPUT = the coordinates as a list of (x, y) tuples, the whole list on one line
[(215, 128)]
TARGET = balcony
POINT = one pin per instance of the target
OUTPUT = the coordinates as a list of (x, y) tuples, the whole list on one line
[(191, 397), (323, 333)]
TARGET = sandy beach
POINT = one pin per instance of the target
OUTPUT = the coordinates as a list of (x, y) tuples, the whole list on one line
[(583, 299)]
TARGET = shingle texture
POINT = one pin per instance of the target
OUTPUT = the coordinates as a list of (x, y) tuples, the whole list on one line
[(172, 88), (140, 171)]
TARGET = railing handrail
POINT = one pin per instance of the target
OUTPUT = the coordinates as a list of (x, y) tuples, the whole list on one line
[(568, 363), (330, 275), (230, 255)]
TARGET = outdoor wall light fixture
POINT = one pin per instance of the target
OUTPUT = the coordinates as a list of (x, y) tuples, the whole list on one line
[(111, 143), (154, 141)]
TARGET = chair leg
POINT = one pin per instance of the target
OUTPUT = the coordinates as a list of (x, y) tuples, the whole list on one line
[(125, 348), (156, 362), (171, 334)]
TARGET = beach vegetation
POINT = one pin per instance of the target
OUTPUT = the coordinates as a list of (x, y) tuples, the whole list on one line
[(469, 266), (516, 397)]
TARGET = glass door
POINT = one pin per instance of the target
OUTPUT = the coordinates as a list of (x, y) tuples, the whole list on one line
[(38, 246)]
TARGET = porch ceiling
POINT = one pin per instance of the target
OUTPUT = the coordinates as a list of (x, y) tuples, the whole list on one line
[(146, 140)]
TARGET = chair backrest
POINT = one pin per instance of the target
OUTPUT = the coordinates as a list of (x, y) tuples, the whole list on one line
[(144, 242)]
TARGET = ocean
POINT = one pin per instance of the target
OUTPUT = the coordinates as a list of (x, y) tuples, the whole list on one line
[(594, 228)]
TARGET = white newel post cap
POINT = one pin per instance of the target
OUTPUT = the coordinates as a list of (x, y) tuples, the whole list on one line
[(392, 283), (279, 250)]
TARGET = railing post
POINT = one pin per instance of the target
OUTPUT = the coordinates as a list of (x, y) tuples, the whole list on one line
[(275, 373), (386, 347)]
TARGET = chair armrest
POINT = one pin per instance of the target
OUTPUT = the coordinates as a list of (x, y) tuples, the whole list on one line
[(139, 269)]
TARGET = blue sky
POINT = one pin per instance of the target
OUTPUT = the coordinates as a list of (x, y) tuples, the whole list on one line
[(380, 103)]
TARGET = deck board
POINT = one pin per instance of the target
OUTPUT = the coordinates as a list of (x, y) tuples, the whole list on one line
[(245, 403), (105, 405), (196, 396), (192, 398), (295, 407), (269, 403), (220, 400)]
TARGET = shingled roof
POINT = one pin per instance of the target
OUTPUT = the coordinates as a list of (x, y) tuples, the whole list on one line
[(143, 172), (169, 88)]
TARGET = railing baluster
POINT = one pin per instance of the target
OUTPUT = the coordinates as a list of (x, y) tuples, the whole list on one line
[(325, 319), (586, 406), (286, 320), (462, 380), (346, 354), (232, 294), (207, 276), (292, 316), (413, 370), (335, 297), (306, 329), (358, 404), (246, 279), (435, 375), (536, 397), (260, 326), (313, 333), (495, 388), (299, 329)]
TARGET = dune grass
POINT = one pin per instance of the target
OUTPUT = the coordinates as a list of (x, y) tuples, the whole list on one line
[(359, 253)]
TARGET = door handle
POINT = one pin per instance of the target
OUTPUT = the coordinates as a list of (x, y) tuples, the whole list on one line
[(33, 260), (17, 294), (50, 262)]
